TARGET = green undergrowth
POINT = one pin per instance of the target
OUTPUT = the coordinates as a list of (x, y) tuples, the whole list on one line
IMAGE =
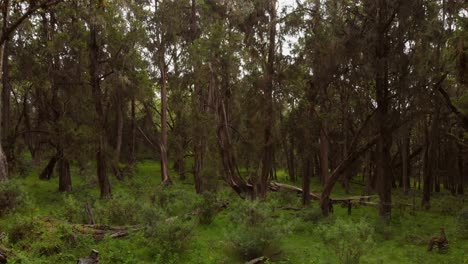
[(178, 226)]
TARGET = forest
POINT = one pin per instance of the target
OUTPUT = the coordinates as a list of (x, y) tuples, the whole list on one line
[(234, 131)]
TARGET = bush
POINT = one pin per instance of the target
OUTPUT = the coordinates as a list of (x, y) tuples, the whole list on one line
[(118, 211), (253, 230), (462, 223), (207, 208), (22, 229), (72, 210), (349, 240), (12, 197), (168, 236)]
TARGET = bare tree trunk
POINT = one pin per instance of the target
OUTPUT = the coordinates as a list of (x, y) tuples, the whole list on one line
[(324, 154), (3, 160), (118, 141), (46, 173), (267, 160), (133, 131), (65, 182), (381, 45), (306, 171), (101, 155), (165, 179), (404, 158)]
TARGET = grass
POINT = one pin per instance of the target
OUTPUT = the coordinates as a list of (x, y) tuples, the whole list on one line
[(403, 241)]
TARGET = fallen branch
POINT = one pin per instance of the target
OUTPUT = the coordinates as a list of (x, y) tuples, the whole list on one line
[(258, 260), (275, 186)]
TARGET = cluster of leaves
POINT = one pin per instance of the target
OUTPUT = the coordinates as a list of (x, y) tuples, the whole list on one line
[(349, 240), (12, 197), (462, 223), (254, 230)]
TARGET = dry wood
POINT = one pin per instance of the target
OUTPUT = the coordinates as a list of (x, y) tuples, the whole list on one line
[(258, 260)]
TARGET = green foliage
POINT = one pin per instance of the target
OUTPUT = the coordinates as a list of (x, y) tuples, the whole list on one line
[(349, 240), (462, 223), (167, 236), (23, 228), (120, 210), (207, 208), (12, 197), (253, 230), (72, 211)]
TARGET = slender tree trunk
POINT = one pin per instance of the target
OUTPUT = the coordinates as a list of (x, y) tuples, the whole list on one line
[(381, 43), (404, 158), (101, 155), (268, 145), (133, 135), (324, 154), (65, 182), (306, 171), (427, 172), (119, 138), (165, 179), (46, 173), (3, 160)]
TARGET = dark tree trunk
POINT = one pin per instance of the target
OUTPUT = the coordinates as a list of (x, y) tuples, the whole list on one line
[(381, 45), (404, 158), (324, 154), (65, 182), (268, 144), (47, 172), (101, 155), (306, 172)]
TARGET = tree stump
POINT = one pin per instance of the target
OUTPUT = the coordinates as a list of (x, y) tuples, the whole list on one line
[(440, 242), (3, 256), (92, 259)]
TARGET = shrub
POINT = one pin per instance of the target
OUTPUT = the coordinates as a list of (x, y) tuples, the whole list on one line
[(462, 223), (72, 210), (207, 208), (349, 240), (313, 215), (168, 236), (253, 230), (118, 211), (11, 197), (22, 229)]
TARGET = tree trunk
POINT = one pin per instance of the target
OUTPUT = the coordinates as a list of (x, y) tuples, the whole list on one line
[(118, 141), (306, 171), (165, 179), (65, 182), (404, 158), (46, 173), (381, 45), (427, 172), (268, 144), (324, 154), (3, 160), (101, 157)]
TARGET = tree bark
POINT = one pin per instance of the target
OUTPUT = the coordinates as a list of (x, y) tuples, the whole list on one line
[(101, 157), (65, 182), (267, 160), (165, 178), (381, 45)]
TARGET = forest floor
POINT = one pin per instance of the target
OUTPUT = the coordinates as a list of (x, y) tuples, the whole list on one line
[(43, 230)]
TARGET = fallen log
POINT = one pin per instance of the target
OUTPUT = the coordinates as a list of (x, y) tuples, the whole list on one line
[(99, 232), (275, 186)]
